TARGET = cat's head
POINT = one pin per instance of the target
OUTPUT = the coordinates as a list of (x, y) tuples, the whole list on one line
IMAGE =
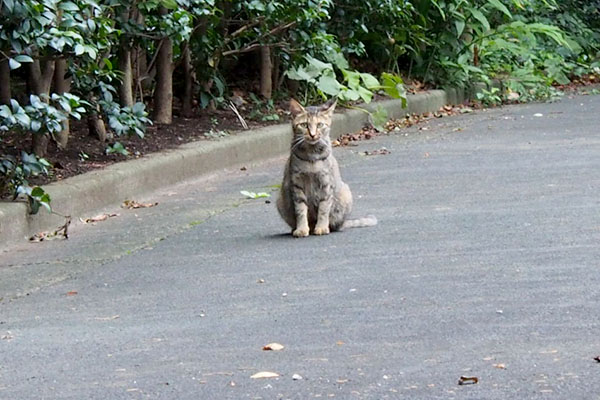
[(312, 123)]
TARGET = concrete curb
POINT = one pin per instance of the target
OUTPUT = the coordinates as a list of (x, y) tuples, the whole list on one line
[(85, 194)]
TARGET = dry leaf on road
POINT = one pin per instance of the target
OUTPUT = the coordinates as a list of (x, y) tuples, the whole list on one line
[(264, 374), (98, 218), (107, 318), (468, 380), (273, 346), (380, 152), (61, 231), (131, 204)]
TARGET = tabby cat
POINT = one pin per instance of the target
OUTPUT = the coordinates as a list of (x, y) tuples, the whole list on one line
[(313, 197)]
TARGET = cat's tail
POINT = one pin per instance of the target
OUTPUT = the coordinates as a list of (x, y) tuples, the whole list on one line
[(363, 222)]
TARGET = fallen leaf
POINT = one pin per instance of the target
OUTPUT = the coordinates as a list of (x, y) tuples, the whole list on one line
[(499, 366), (38, 237), (382, 151), (107, 318), (130, 204), (273, 347), (468, 380), (253, 195), (60, 231), (339, 343), (72, 293), (264, 374), (98, 218)]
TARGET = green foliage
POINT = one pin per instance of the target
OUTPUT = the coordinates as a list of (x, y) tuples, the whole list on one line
[(14, 175), (490, 98), (40, 117), (124, 120), (117, 148), (519, 42), (321, 80)]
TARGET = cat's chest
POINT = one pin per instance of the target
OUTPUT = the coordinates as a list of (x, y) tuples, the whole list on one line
[(314, 169), (312, 176)]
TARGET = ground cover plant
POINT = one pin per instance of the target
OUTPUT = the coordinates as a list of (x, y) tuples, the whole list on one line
[(85, 82)]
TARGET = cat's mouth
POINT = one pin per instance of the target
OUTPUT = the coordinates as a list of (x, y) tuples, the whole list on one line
[(312, 141)]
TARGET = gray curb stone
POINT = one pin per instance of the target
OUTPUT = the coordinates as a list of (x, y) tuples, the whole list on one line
[(83, 195)]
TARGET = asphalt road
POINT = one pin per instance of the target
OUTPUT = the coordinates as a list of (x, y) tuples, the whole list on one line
[(485, 263)]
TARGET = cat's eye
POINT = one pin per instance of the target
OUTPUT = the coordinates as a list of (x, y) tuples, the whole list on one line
[(320, 125), (303, 125)]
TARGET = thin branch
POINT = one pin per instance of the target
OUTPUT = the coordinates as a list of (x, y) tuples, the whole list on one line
[(237, 114), (250, 48), (243, 29), (253, 45), (151, 65)]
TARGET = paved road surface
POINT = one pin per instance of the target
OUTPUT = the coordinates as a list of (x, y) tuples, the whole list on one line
[(485, 263)]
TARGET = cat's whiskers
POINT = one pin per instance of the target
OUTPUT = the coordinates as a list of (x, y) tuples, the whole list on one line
[(297, 142)]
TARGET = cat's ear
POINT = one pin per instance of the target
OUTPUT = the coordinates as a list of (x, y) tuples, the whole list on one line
[(296, 108), (328, 107)]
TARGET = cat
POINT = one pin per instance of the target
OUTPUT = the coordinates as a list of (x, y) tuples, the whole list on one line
[(313, 198)]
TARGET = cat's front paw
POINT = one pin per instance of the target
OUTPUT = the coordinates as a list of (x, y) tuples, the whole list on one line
[(321, 230), (300, 232)]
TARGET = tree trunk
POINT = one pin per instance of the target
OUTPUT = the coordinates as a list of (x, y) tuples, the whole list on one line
[(5, 93), (96, 127), (62, 85), (40, 78), (276, 76), (139, 60), (39, 81), (266, 72), (124, 55), (188, 83), (40, 144), (293, 87), (163, 93), (126, 86)]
